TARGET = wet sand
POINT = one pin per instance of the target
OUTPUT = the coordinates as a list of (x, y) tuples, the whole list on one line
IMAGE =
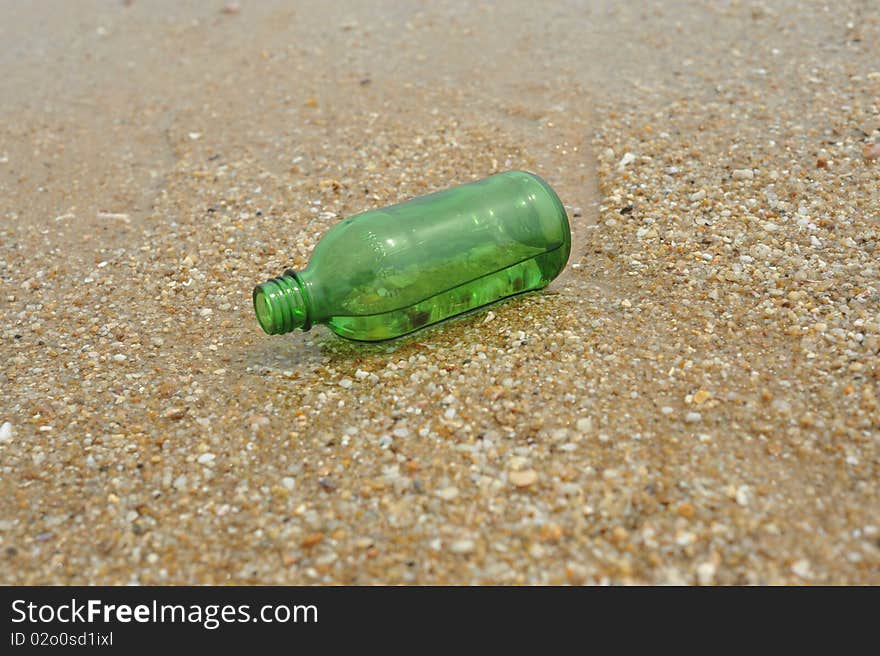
[(695, 400)]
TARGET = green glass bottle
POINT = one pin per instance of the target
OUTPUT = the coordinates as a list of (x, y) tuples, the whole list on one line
[(388, 272)]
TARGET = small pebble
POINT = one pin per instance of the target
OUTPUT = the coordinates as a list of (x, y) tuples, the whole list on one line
[(447, 493), (462, 546), (584, 424), (802, 568), (174, 413), (706, 573), (523, 477), (326, 484), (312, 540)]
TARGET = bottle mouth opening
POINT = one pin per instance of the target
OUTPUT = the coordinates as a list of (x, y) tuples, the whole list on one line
[(279, 305), (263, 309)]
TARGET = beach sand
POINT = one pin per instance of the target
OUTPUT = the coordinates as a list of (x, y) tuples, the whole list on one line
[(695, 400)]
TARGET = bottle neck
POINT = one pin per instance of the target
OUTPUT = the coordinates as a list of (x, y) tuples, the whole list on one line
[(282, 304)]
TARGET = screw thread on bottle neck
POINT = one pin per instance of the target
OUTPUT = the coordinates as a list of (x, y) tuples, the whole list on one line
[(281, 306)]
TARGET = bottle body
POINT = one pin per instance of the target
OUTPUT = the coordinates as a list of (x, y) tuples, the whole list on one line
[(388, 272)]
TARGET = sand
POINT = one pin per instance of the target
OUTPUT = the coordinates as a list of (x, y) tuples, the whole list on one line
[(695, 400)]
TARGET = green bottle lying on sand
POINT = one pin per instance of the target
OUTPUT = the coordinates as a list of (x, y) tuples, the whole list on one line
[(388, 272)]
